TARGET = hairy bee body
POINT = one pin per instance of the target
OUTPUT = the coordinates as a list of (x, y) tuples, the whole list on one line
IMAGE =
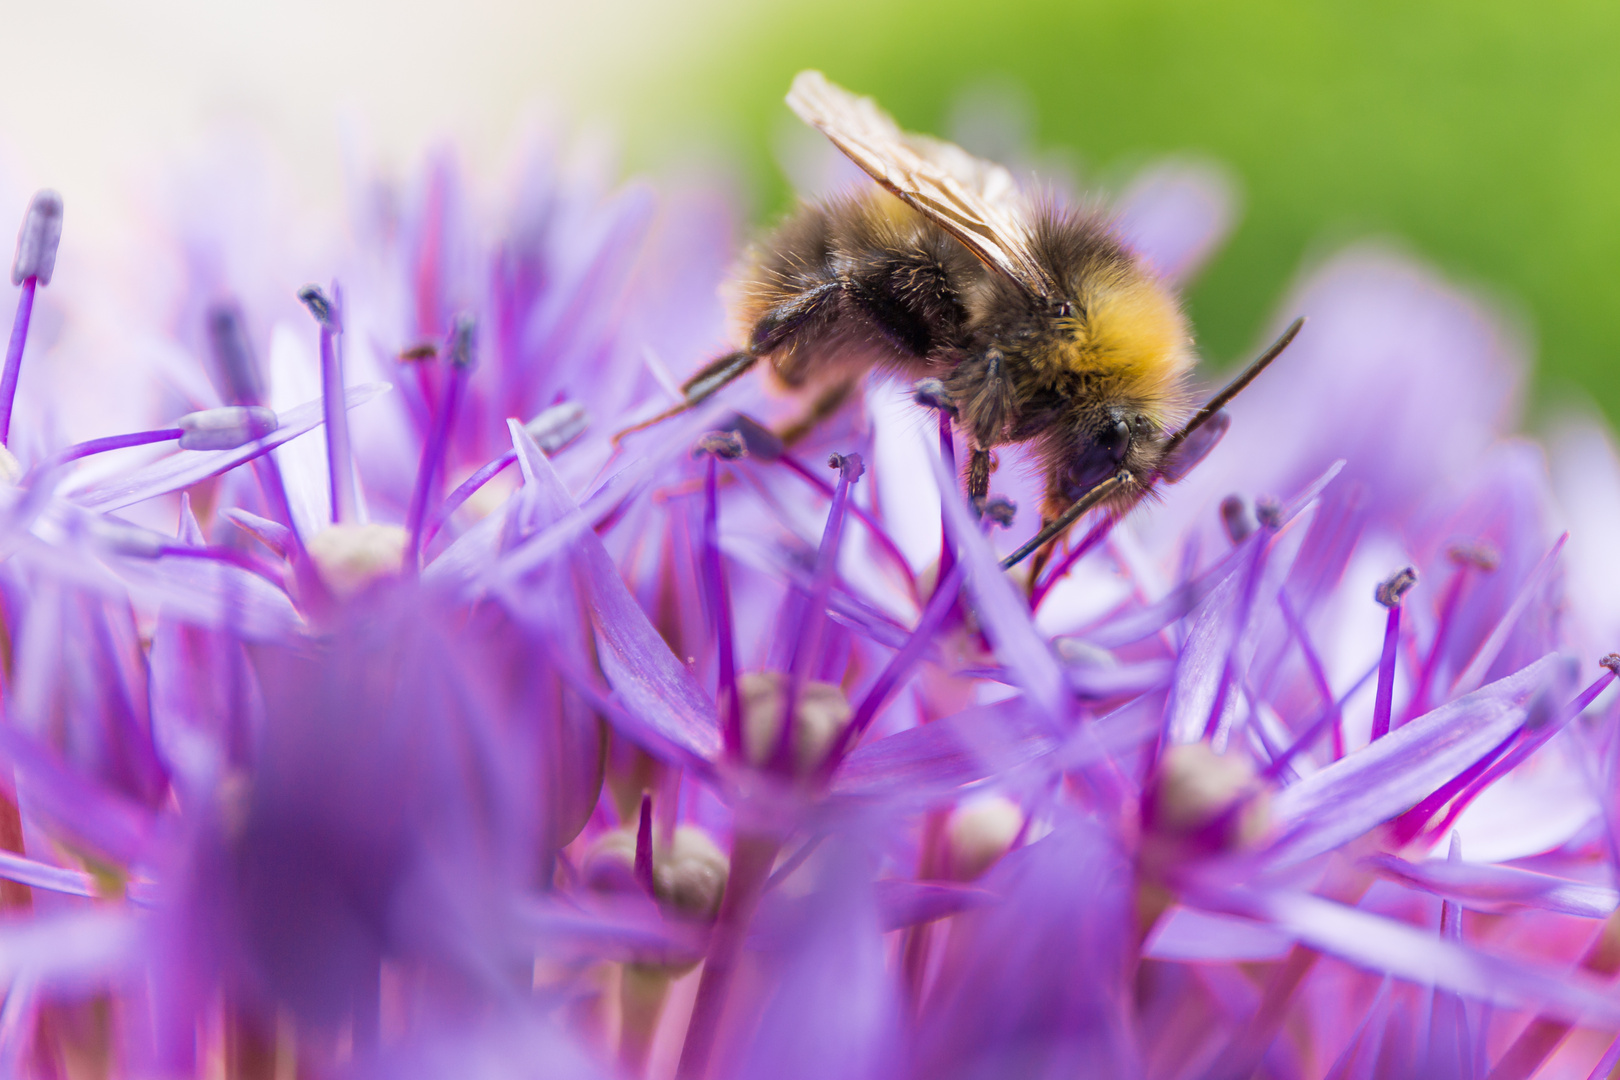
[(1090, 374), (1042, 326)]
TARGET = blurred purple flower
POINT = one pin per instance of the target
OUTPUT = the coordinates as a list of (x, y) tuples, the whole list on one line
[(441, 736)]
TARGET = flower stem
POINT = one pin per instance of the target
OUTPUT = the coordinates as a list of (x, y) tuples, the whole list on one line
[(879, 535), (14, 354), (106, 445), (1442, 631), (720, 610), (1243, 1054), (1099, 532), (1537, 1042), (1217, 728), (807, 654), (947, 450), (751, 858), (642, 991), (1386, 674), (339, 455), (432, 462), (899, 666), (468, 488)]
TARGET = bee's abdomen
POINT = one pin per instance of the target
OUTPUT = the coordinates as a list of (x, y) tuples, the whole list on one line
[(855, 282)]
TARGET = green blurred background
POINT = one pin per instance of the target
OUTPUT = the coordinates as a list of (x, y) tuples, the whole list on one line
[(1481, 135)]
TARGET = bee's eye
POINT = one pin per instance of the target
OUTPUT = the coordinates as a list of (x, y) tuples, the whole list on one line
[(1116, 440)]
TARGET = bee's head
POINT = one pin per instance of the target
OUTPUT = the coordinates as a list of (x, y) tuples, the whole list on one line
[(1118, 438)]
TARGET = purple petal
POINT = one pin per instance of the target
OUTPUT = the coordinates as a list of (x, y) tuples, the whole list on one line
[(41, 876), (940, 757), (1373, 785), (70, 951), (907, 903), (1002, 612), (834, 1009), (1175, 214), (496, 1045), (1190, 935), (1406, 952), (1500, 888), (1037, 985), (655, 687), (936, 759)]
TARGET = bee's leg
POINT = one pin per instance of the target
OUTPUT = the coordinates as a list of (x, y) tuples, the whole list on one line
[(978, 479), (1038, 561), (829, 401), (781, 322), (699, 388)]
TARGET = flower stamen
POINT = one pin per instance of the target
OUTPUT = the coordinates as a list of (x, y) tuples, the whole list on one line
[(807, 651), (37, 241), (328, 312), (719, 606), (433, 450), (1390, 593)]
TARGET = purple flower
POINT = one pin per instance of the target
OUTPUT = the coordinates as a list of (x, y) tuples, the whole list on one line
[(388, 719)]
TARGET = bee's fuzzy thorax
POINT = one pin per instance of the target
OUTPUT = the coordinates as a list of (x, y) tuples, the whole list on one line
[(1125, 335)]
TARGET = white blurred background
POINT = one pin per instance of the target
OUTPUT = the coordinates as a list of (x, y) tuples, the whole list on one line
[(99, 94)]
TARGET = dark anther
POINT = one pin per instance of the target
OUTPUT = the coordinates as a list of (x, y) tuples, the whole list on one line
[(850, 465), (1268, 512), (762, 443), (1001, 510), (1237, 519), (423, 350), (1612, 662), (462, 338), (38, 238), (932, 394), (234, 366), (1478, 554), (727, 445), (319, 305), (1391, 592)]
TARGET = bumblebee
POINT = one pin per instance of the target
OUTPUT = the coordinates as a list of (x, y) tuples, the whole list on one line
[(1041, 325)]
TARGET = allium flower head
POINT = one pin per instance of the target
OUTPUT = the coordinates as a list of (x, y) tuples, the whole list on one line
[(387, 717)]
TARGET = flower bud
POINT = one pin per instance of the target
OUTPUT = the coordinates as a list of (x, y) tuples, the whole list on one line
[(226, 428), (979, 833), (351, 558), (558, 426), (1205, 801), (38, 238), (610, 863), (820, 714), (689, 876)]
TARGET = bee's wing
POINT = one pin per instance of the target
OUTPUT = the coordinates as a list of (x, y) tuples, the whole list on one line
[(974, 200)]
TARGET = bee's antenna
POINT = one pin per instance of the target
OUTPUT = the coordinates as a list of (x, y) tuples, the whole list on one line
[(1095, 497), (1121, 480), (1235, 387)]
